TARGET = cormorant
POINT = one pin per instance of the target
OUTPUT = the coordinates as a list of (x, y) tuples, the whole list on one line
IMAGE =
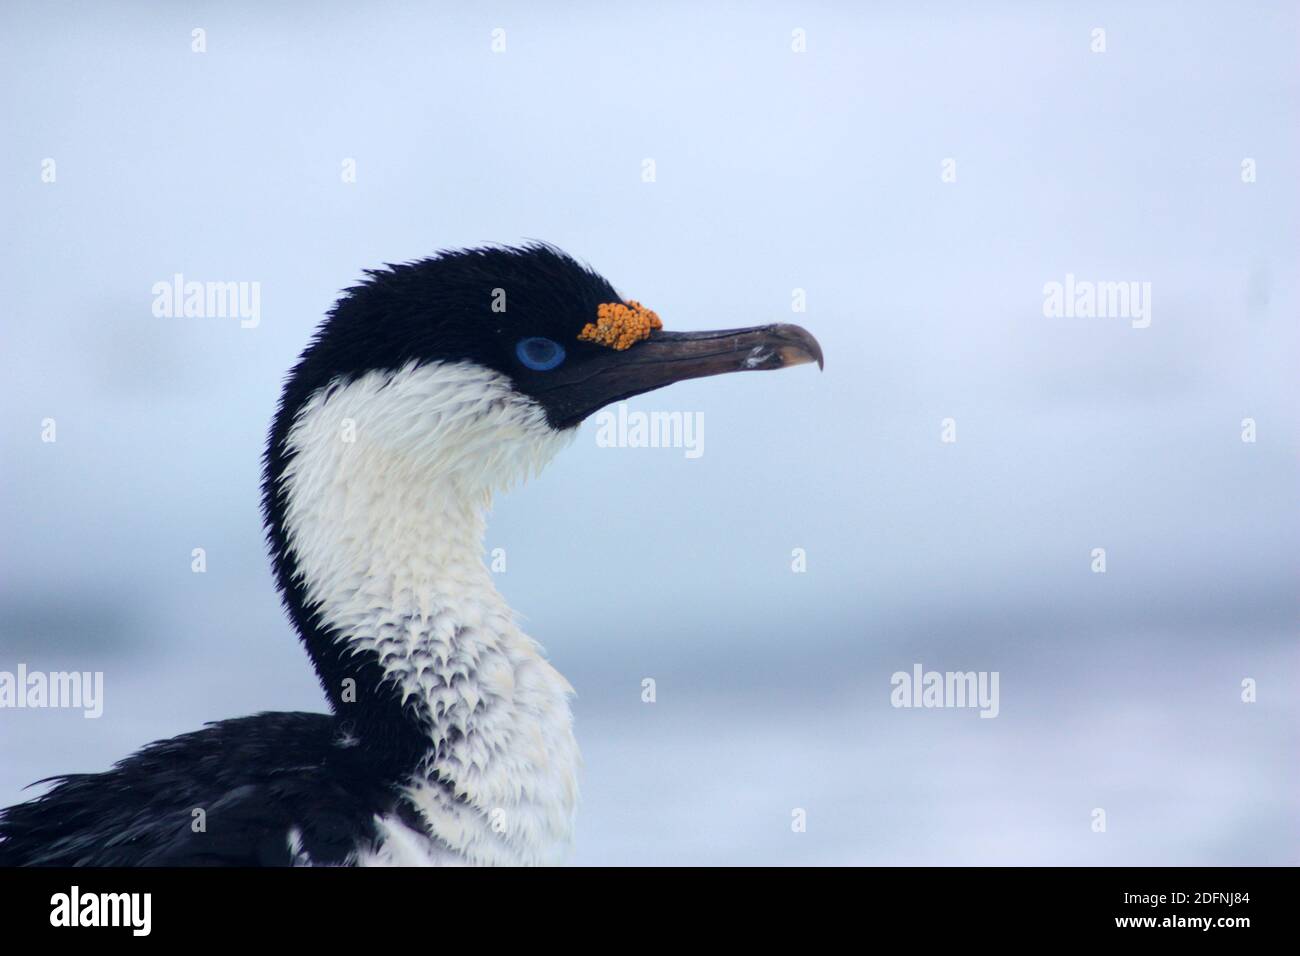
[(429, 386)]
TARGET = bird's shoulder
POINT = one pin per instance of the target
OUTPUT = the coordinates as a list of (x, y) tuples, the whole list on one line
[(271, 789)]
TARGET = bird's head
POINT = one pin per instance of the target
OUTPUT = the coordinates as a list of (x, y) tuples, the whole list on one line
[(478, 361)]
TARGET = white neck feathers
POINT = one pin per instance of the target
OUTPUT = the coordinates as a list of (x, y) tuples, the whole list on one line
[(386, 491)]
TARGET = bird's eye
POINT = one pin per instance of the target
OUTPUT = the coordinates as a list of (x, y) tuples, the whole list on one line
[(539, 354)]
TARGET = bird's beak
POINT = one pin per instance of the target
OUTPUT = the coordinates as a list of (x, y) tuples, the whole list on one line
[(667, 357)]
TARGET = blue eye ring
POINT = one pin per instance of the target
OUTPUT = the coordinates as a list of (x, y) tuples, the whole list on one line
[(539, 354)]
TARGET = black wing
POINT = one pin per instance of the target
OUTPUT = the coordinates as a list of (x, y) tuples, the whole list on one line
[(228, 795)]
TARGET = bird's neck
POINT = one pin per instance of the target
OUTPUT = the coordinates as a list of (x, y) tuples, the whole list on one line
[(412, 639)]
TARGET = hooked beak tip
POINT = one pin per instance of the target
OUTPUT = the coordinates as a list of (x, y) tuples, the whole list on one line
[(798, 346)]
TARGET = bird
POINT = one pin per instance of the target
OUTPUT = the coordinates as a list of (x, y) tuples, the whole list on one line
[(431, 386)]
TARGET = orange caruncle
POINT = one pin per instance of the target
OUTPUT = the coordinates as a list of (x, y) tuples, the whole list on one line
[(620, 326)]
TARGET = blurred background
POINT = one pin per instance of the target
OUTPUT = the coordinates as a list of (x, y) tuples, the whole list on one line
[(775, 171)]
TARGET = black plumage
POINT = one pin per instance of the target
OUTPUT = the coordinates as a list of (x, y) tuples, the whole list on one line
[(228, 794)]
